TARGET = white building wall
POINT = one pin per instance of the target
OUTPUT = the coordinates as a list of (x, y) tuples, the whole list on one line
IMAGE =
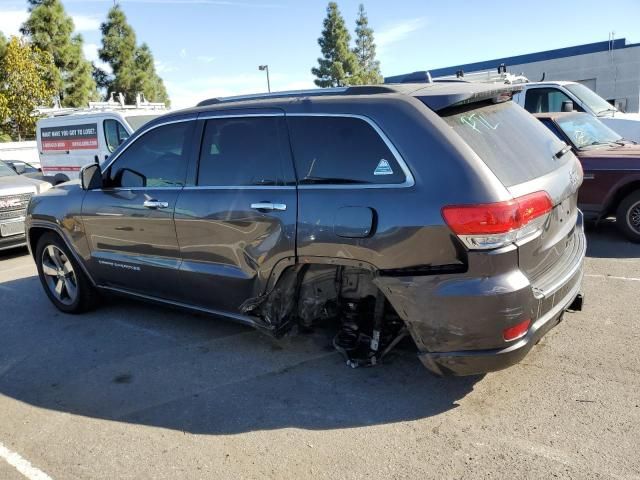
[(615, 74)]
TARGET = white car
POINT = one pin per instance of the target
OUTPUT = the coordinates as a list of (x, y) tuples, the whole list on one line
[(542, 97)]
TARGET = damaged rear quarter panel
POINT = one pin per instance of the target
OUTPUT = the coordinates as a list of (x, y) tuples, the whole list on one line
[(462, 311)]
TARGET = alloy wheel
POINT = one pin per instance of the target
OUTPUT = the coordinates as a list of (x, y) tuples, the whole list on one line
[(633, 217), (59, 275)]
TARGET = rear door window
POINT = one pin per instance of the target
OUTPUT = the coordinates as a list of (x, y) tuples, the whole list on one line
[(342, 151), (245, 151), (512, 143)]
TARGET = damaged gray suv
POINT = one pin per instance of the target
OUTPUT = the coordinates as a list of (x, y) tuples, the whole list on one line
[(443, 212)]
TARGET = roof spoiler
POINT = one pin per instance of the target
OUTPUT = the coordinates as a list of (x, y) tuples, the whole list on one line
[(481, 93)]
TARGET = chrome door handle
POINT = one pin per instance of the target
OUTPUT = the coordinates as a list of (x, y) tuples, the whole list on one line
[(269, 206), (155, 204)]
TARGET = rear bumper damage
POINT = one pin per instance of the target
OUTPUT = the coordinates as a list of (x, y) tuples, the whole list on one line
[(457, 321), (482, 361)]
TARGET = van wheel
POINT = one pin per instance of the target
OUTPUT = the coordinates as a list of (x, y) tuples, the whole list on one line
[(628, 216), (62, 278), (59, 178)]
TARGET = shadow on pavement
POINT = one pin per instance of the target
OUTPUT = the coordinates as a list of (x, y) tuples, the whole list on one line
[(144, 364), (13, 253), (606, 241)]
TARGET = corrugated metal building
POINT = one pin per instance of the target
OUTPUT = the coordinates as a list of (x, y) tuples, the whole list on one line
[(611, 68)]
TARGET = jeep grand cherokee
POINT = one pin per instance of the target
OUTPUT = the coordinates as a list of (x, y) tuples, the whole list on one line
[(440, 211)]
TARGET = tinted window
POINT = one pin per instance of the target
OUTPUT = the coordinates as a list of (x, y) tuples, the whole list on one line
[(341, 150), (244, 151), (541, 100), (513, 144), (114, 133), (156, 159)]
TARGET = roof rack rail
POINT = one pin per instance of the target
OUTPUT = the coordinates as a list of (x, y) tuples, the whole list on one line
[(109, 105), (499, 76), (316, 92)]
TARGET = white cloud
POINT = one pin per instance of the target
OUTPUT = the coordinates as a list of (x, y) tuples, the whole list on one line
[(11, 20), (90, 51), (205, 59), (183, 53), (85, 23), (398, 31), (188, 93), (163, 67)]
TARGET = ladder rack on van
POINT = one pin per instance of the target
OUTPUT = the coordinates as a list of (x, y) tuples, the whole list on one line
[(109, 105), (490, 76)]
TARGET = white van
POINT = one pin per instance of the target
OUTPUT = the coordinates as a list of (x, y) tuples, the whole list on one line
[(69, 139)]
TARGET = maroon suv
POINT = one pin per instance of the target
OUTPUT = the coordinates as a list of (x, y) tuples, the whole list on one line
[(611, 168)]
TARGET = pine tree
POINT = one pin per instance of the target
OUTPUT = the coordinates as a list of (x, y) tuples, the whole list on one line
[(133, 67), (365, 51), (118, 40), (50, 29), (338, 64), (23, 86), (148, 80)]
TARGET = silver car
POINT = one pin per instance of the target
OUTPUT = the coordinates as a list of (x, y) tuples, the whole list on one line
[(15, 193)]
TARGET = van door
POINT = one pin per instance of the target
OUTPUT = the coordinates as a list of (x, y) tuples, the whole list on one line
[(66, 145), (238, 219), (129, 223)]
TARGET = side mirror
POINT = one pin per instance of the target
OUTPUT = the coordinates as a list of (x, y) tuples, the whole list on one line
[(91, 177), (567, 106)]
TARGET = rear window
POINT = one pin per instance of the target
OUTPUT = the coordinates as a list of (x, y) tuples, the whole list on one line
[(513, 144), (341, 151)]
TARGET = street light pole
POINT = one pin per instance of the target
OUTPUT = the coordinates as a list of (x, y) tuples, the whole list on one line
[(266, 68)]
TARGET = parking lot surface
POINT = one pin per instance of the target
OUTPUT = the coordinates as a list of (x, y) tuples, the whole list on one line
[(139, 391)]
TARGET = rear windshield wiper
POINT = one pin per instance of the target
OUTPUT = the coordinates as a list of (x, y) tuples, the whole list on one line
[(328, 180), (562, 151)]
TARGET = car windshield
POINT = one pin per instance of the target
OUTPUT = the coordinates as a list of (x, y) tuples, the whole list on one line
[(585, 130), (136, 121), (591, 99), (6, 170)]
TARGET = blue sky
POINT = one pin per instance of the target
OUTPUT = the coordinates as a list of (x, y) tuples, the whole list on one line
[(207, 48)]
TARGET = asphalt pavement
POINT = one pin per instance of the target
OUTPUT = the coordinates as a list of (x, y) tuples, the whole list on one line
[(136, 391)]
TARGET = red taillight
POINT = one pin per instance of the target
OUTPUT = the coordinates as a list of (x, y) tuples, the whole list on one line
[(533, 206), (500, 217), (517, 331), (482, 219)]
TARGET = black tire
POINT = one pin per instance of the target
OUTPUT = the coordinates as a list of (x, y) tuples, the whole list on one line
[(628, 216), (59, 270), (59, 178)]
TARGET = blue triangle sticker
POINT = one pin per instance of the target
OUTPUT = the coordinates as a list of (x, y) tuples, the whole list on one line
[(383, 168)]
